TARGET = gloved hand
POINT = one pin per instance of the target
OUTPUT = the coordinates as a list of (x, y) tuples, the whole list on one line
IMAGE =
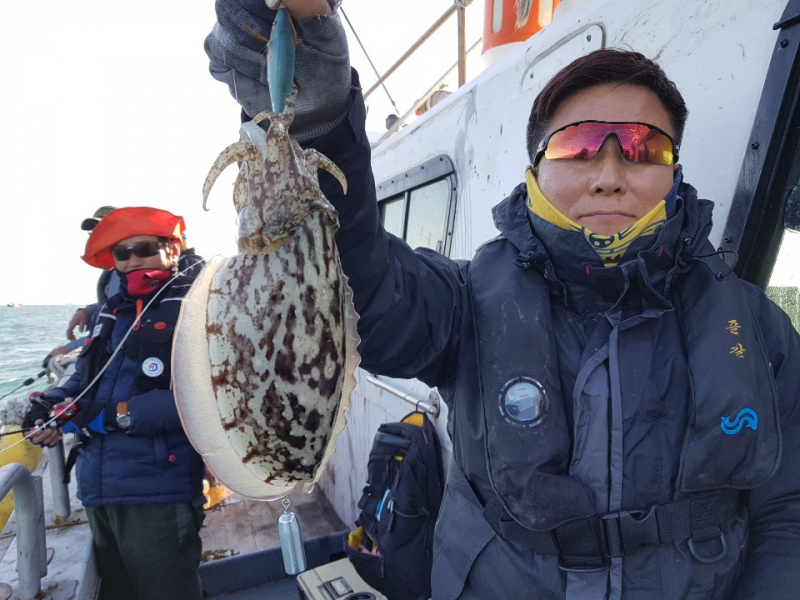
[(39, 414), (322, 72), (36, 412)]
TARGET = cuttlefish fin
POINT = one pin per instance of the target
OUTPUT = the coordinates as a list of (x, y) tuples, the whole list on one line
[(320, 161), (244, 152)]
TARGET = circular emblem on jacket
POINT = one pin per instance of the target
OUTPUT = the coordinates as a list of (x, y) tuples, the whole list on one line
[(152, 367), (523, 402)]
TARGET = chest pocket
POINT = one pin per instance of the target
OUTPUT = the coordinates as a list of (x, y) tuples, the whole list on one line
[(150, 347)]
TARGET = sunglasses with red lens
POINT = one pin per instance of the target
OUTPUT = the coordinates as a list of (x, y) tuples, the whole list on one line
[(640, 142), (140, 249)]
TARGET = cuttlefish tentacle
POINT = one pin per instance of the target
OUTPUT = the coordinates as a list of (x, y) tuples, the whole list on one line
[(240, 189), (290, 182), (244, 152), (320, 161)]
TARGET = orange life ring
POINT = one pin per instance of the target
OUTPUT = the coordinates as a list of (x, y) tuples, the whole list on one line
[(500, 21)]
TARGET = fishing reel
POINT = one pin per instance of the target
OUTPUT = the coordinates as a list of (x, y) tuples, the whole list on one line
[(60, 412)]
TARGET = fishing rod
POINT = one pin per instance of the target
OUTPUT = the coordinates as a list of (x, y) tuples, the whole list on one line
[(28, 431), (25, 383)]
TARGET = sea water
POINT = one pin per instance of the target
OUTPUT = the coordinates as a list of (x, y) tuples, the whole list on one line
[(27, 334)]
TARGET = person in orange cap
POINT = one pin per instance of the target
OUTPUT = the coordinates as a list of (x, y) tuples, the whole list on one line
[(190, 263), (138, 476)]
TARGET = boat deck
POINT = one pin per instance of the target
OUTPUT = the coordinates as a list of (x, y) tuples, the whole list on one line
[(244, 533), (239, 525), (241, 550)]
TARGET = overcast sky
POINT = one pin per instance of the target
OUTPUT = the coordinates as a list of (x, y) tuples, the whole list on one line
[(107, 103)]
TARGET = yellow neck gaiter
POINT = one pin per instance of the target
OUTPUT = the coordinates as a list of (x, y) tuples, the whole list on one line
[(609, 248)]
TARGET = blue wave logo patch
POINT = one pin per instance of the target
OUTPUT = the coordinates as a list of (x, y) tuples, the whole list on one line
[(746, 417)]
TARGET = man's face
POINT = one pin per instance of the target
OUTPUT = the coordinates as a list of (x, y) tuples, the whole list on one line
[(163, 257), (606, 193)]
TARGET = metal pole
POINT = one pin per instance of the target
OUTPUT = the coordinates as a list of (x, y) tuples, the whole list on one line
[(431, 406), (411, 50), (16, 477), (61, 507), (462, 47), (41, 537)]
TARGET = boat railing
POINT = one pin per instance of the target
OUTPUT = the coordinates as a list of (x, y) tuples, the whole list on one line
[(430, 406), (424, 98), (458, 9), (30, 539), (58, 481)]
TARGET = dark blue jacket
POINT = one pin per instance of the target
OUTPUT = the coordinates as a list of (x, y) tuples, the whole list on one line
[(153, 462), (634, 395)]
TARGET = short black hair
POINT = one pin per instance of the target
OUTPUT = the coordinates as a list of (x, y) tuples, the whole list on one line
[(606, 66)]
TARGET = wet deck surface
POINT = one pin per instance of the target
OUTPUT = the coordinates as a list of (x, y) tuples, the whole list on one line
[(239, 525)]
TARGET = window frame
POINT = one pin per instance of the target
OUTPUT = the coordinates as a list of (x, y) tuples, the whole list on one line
[(771, 165), (435, 169)]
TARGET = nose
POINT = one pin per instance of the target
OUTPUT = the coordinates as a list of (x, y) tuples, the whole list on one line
[(608, 173), (133, 263)]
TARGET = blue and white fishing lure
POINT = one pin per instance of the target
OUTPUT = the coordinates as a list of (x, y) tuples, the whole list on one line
[(281, 59)]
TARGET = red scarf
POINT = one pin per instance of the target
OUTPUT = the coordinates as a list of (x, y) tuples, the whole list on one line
[(143, 282)]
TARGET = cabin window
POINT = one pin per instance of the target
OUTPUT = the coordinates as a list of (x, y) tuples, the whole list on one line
[(393, 215), (764, 219), (784, 282), (419, 205)]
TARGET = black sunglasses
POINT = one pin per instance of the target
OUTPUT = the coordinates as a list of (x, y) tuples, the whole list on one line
[(140, 249)]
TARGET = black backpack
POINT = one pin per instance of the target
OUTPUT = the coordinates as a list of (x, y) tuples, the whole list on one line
[(392, 546)]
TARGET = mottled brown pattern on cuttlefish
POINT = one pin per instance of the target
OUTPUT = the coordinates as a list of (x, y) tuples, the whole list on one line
[(299, 310)]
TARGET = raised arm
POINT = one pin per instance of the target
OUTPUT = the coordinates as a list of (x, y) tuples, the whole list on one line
[(409, 302)]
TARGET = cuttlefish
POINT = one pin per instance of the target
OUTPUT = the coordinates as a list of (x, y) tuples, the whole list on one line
[(265, 349)]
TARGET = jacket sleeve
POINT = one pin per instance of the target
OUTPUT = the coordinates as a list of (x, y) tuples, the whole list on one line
[(409, 302), (153, 413), (772, 564)]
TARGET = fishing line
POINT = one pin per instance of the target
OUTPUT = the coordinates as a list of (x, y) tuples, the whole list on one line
[(46, 424), (366, 54)]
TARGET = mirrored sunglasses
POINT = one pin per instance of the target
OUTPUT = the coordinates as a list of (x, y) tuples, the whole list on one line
[(640, 142), (140, 249)]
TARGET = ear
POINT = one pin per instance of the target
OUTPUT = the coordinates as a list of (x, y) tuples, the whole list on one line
[(174, 250)]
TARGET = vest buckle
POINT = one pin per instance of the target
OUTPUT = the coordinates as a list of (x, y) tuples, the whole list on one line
[(629, 531), (583, 564)]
